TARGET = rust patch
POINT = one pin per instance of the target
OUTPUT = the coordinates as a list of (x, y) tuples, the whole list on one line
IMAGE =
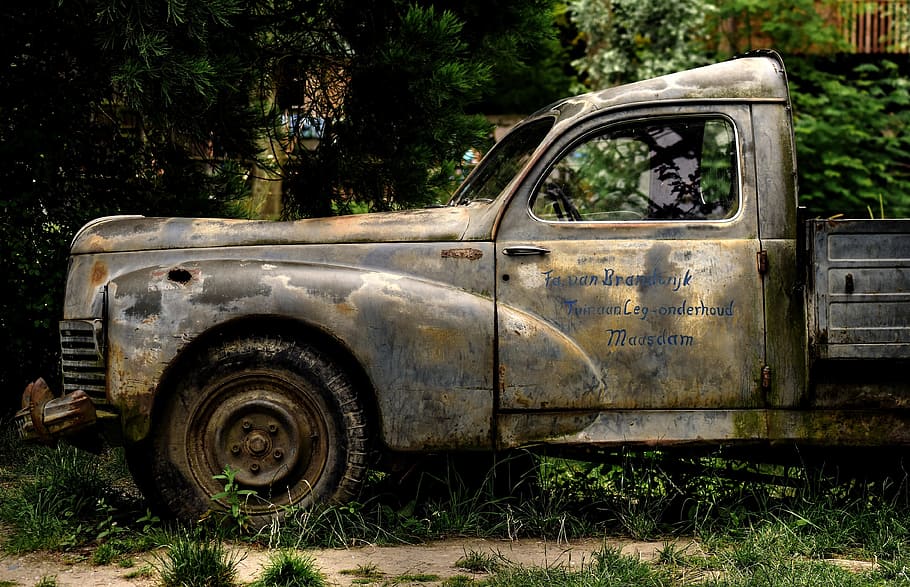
[(467, 253), (44, 417), (99, 273)]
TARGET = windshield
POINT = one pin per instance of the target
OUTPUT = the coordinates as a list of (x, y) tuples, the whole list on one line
[(505, 160)]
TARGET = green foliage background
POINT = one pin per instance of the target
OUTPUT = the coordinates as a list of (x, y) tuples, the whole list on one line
[(629, 40), (850, 111), (67, 155), (853, 143)]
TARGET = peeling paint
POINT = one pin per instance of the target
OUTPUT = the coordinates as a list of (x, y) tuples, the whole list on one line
[(469, 253)]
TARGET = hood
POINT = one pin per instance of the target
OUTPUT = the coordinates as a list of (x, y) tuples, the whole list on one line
[(138, 233)]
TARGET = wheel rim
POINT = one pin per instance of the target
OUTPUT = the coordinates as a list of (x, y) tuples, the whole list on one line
[(270, 431)]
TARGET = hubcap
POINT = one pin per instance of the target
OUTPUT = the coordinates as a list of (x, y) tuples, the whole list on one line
[(267, 431), (260, 439)]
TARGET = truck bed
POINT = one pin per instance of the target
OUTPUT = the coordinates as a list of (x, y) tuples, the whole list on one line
[(858, 289)]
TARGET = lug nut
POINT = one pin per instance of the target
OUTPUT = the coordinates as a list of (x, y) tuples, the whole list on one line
[(278, 454), (247, 424), (273, 428), (235, 449), (254, 467)]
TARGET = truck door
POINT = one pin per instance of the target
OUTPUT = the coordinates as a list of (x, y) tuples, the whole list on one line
[(626, 268)]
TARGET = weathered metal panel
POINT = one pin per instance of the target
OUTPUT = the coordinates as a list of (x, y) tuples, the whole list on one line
[(874, 427), (140, 234), (785, 325), (775, 175), (630, 315), (424, 342), (626, 324), (634, 427), (784, 296), (861, 289), (859, 384), (708, 427), (740, 79)]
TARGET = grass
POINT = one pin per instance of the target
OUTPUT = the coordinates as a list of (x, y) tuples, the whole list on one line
[(415, 578), (365, 571), (461, 581), (365, 574), (143, 572), (59, 497), (289, 569), (608, 568), (105, 554), (194, 560), (723, 522), (480, 562), (65, 498)]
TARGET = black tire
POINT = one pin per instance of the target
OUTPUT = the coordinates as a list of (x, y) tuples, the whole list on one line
[(279, 414)]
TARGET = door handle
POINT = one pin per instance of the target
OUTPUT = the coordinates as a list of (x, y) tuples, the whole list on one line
[(525, 250)]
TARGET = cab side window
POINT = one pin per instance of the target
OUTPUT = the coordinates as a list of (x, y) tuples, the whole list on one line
[(670, 169)]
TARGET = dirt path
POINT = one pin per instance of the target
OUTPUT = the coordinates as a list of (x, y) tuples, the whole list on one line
[(436, 558)]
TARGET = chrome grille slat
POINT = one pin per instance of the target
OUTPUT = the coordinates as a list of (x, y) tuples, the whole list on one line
[(82, 358), (75, 366)]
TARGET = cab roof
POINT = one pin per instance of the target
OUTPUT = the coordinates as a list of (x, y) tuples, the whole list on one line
[(758, 76)]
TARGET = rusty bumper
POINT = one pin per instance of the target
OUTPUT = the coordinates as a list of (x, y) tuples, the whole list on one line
[(44, 418)]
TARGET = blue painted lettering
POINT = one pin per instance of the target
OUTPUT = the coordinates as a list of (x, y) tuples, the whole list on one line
[(619, 337), (630, 309), (574, 309), (611, 278), (653, 279), (700, 309)]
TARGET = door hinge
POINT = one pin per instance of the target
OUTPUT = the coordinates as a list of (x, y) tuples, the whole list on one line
[(766, 377), (762, 257)]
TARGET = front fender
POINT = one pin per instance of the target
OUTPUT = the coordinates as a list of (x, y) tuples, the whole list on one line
[(426, 346)]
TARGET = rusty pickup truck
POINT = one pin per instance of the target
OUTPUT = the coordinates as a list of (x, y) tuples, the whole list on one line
[(624, 268)]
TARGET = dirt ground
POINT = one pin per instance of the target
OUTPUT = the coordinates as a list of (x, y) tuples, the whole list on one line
[(435, 558)]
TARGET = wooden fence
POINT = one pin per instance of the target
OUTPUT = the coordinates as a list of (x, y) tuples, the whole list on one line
[(875, 26)]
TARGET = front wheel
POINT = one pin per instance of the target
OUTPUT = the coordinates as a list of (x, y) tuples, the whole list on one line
[(279, 415)]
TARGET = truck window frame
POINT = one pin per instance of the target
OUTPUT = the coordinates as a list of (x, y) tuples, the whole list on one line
[(505, 161), (626, 129)]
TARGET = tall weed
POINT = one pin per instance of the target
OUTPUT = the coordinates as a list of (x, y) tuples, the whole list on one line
[(568, 502), (61, 496), (194, 560), (289, 569), (58, 502), (457, 509)]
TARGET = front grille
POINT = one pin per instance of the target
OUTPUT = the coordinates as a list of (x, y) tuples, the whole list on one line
[(82, 357)]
